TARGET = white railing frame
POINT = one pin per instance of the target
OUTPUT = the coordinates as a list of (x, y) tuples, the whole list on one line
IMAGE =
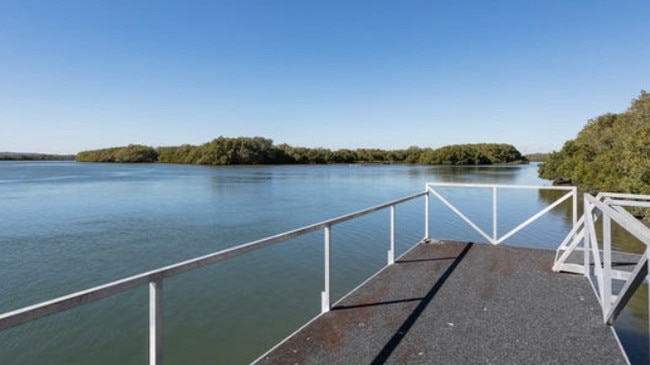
[(495, 239), (154, 279), (612, 208), (609, 206)]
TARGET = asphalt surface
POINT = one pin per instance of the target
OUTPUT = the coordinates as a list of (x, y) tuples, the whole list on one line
[(460, 303)]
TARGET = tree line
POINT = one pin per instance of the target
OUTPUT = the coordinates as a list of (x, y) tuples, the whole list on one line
[(21, 156), (611, 153), (537, 157), (258, 150)]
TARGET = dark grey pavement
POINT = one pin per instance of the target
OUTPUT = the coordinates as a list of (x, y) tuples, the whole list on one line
[(461, 303)]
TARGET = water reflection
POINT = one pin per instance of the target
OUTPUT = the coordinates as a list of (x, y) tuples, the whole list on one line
[(483, 173), (259, 178), (564, 210), (470, 174)]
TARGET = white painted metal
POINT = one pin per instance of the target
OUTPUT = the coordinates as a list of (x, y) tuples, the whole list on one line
[(494, 239), (391, 250), (461, 215), (535, 217), (587, 244), (494, 214), (607, 264), (502, 186), (573, 268), (641, 232), (620, 275), (426, 216), (627, 203), (623, 219), (624, 196), (57, 305), (155, 322), (570, 243), (155, 277), (611, 206), (325, 295), (631, 285), (592, 242)]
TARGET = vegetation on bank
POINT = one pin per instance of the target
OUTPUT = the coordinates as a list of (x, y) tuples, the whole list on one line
[(537, 157), (20, 156), (258, 150), (130, 153), (611, 153)]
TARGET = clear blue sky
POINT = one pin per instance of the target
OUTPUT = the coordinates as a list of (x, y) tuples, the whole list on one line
[(77, 75)]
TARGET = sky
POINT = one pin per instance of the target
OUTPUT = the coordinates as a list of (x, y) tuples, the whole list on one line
[(80, 75)]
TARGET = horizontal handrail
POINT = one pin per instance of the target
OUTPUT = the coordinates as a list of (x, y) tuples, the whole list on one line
[(624, 219), (36, 311), (602, 195), (501, 186), (155, 278)]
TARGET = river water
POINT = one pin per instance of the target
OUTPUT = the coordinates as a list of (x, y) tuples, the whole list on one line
[(67, 226)]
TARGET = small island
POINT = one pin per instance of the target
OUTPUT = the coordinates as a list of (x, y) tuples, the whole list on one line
[(261, 151)]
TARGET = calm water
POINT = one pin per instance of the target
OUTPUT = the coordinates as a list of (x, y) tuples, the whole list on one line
[(66, 226)]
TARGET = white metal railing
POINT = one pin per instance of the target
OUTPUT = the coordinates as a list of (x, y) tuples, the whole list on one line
[(584, 239), (154, 279), (494, 238)]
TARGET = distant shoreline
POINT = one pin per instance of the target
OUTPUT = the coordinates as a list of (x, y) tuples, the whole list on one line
[(26, 156), (262, 151)]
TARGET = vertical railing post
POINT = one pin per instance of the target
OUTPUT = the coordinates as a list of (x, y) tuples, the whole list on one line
[(325, 295), (155, 322), (587, 248), (426, 215), (607, 263), (494, 214), (391, 251)]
